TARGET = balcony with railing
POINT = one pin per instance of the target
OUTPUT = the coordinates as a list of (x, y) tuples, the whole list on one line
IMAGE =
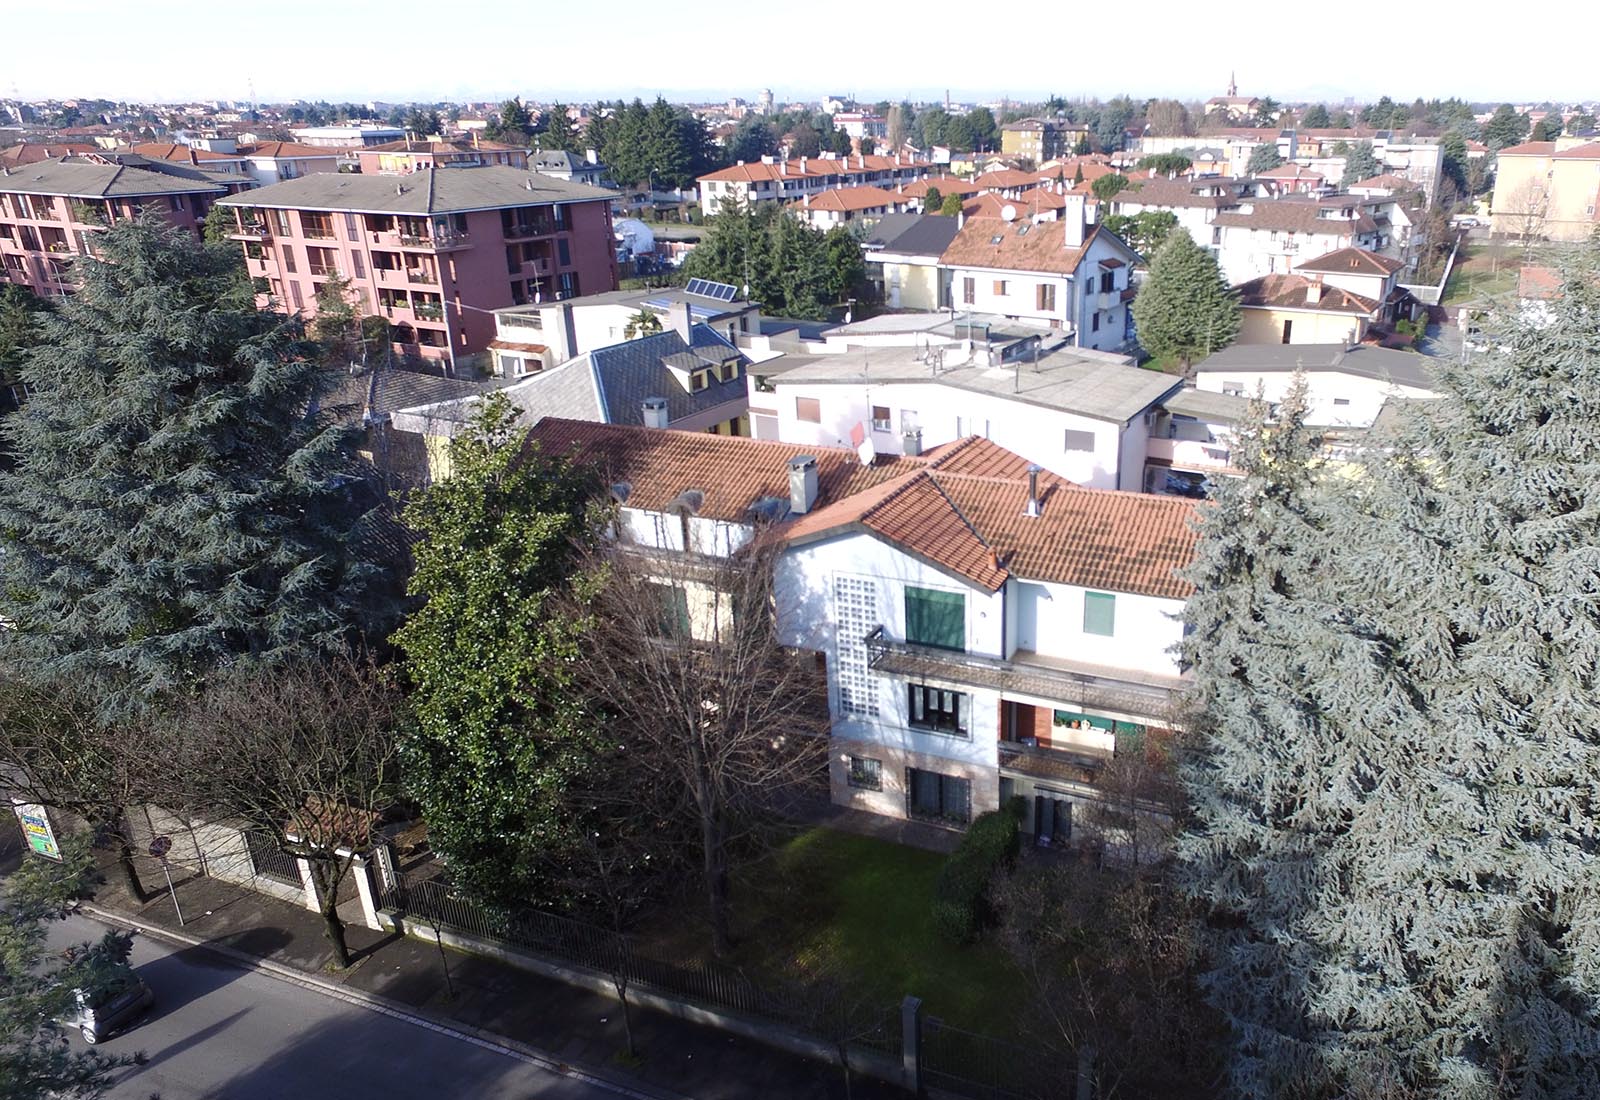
[(1190, 445), (252, 229), (448, 240), (1032, 675)]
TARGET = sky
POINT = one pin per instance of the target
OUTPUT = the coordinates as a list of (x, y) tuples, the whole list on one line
[(404, 50)]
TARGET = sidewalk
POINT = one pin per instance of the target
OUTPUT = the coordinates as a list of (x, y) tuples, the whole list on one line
[(572, 1025)]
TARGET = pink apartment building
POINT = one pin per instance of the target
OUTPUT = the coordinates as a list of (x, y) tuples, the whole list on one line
[(435, 251), (51, 210), (410, 156)]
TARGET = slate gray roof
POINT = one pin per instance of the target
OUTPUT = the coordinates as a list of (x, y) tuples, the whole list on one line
[(1406, 368), (429, 191), (82, 179), (608, 385), (913, 234), (1213, 408), (381, 392)]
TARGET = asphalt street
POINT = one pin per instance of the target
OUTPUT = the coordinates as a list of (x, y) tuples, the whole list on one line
[(222, 1032)]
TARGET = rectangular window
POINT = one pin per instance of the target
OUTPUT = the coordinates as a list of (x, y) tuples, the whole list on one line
[(1107, 282), (177, 203), (563, 251), (1099, 613), (1341, 401), (674, 613), (288, 258), (294, 293), (866, 773), (357, 265), (1233, 389), (699, 380), (1075, 440), (1288, 327), (1095, 326), (1000, 288), (931, 708), (936, 618), (1046, 297), (808, 409), (969, 291), (935, 797), (880, 418), (352, 226)]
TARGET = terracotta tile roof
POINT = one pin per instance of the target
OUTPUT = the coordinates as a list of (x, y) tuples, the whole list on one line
[(734, 473), (1042, 198), (1352, 261), (183, 153), (1289, 292), (853, 198), (1160, 191), (292, 149), (512, 345), (793, 168), (991, 243), (29, 152), (1591, 151), (1530, 149), (946, 185), (403, 146), (977, 455), (1290, 172), (1009, 178), (976, 527)]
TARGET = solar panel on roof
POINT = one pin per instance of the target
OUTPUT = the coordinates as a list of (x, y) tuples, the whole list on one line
[(705, 288)]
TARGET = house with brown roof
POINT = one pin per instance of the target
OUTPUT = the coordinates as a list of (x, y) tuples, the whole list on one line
[(1271, 236), (1332, 299), (1063, 272), (987, 629), (786, 179), (850, 204)]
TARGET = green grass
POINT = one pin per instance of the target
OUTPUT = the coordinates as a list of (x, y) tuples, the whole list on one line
[(1483, 271), (832, 901)]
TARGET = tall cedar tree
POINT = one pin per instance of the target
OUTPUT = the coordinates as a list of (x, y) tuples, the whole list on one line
[(559, 133), (1264, 158), (500, 732), (177, 503), (1185, 308), (1360, 164), (1396, 799), (1477, 922)]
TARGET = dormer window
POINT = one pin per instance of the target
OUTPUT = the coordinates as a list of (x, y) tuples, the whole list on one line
[(699, 380)]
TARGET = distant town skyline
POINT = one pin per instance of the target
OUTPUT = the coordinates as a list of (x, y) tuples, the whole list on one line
[(419, 50)]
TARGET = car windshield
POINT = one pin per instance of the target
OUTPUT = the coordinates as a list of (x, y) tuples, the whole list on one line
[(114, 987)]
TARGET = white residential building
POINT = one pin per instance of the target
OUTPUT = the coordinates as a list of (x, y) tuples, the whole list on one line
[(1348, 386), (987, 630), (1064, 273), (1082, 415)]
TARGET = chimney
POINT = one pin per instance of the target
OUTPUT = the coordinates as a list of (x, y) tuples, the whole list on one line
[(681, 320), (803, 165), (802, 484), (1314, 290), (1072, 219), (655, 412), (1033, 491)]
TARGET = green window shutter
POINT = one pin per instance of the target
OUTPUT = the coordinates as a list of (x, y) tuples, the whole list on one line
[(936, 618), (1099, 613)]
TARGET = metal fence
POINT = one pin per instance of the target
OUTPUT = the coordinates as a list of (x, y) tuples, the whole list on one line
[(960, 1062), (270, 861), (986, 1068)]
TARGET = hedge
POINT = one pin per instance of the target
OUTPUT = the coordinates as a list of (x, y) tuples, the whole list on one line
[(961, 904)]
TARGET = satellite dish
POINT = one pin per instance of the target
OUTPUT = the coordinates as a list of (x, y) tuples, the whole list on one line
[(1008, 213)]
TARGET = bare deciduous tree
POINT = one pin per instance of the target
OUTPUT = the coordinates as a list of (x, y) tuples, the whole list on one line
[(304, 753), (684, 658), (57, 749)]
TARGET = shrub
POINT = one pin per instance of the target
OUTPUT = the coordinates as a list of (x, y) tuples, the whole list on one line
[(961, 907)]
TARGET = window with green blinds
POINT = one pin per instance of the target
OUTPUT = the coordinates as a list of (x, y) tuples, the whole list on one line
[(936, 618), (1099, 613)]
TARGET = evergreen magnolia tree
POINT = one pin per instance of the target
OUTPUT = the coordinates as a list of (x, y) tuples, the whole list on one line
[(1360, 164), (1185, 309), (1394, 787), (500, 732), (1264, 158), (175, 505)]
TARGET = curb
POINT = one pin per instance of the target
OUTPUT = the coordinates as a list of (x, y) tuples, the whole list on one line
[(372, 1002)]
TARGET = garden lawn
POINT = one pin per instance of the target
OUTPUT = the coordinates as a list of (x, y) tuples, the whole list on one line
[(862, 907)]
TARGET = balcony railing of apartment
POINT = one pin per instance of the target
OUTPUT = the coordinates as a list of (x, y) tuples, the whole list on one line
[(439, 242), (539, 227), (421, 275), (325, 271), (1039, 680), (1069, 765), (252, 231), (426, 312)]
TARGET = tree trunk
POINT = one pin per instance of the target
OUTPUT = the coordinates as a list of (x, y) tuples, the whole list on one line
[(627, 1016), (716, 876), (334, 930)]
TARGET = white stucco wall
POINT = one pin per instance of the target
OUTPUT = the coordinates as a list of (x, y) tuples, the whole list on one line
[(1049, 621), (1337, 399), (945, 413)]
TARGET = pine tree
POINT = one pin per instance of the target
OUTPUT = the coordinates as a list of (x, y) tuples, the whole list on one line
[(559, 132), (1185, 309), (1315, 118), (500, 730), (1394, 780), (175, 504)]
